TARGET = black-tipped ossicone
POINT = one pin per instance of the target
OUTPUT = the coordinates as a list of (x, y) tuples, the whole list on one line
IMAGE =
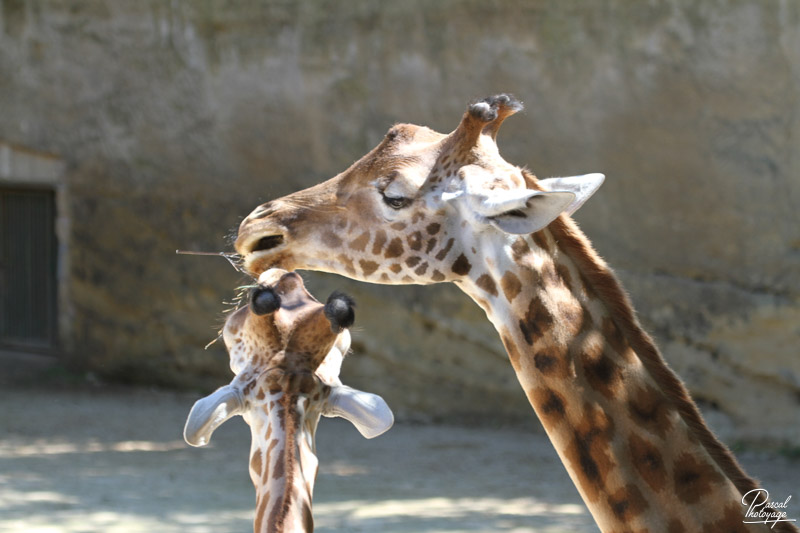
[(264, 300), (340, 311)]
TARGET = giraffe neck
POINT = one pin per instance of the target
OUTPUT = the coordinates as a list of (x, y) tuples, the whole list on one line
[(283, 464), (622, 423)]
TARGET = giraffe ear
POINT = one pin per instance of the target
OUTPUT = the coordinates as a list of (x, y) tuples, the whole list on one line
[(531, 211), (516, 211), (583, 187), (369, 413), (209, 413)]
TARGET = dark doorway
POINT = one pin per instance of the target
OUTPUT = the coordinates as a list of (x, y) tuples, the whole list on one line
[(28, 269)]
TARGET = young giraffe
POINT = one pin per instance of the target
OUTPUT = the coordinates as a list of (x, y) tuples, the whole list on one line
[(286, 350), (423, 207)]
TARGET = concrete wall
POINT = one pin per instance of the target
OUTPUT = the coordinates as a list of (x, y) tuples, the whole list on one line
[(174, 119)]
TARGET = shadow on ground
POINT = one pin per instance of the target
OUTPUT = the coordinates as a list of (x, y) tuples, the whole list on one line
[(114, 461)]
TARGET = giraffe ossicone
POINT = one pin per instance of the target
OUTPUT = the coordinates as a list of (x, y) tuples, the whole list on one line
[(286, 350), (425, 207)]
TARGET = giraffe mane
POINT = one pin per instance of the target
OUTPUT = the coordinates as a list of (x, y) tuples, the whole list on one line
[(608, 288), (290, 423)]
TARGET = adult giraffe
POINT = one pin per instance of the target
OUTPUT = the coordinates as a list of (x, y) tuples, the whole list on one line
[(423, 207), (286, 350)]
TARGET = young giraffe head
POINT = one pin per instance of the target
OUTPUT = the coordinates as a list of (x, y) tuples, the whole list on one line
[(419, 208), (286, 350)]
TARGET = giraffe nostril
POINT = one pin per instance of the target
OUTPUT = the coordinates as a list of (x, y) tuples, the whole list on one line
[(264, 300), (267, 243)]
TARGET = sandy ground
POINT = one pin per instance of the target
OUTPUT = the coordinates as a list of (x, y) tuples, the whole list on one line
[(111, 460)]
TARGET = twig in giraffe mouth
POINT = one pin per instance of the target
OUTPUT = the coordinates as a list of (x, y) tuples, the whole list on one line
[(233, 258)]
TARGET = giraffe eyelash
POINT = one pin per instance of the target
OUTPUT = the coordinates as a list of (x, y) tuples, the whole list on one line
[(398, 202)]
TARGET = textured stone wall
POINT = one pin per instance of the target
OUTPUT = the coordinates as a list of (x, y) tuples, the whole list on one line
[(175, 119)]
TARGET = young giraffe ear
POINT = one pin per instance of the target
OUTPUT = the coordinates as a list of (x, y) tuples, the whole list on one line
[(582, 186), (369, 413), (209, 413)]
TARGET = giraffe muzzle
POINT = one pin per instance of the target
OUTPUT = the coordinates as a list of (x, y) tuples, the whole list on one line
[(260, 246)]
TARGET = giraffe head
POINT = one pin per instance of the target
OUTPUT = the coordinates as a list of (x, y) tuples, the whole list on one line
[(286, 350), (413, 210)]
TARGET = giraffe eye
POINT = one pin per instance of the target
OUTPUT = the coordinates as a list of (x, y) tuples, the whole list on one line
[(398, 202)]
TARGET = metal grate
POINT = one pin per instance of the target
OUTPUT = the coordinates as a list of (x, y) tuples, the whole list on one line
[(28, 252)]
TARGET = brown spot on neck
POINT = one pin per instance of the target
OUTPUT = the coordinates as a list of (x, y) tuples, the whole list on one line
[(511, 285), (676, 526), (261, 509), (627, 503), (430, 246), (413, 261), (552, 362), (415, 241), (444, 251), (520, 249), (347, 263), (360, 243), (648, 462), (486, 283), (394, 249), (380, 240), (548, 276), (511, 349), (255, 463), (649, 410), (461, 266), (368, 267), (537, 320), (549, 406), (693, 478), (601, 372), (540, 240), (589, 452)]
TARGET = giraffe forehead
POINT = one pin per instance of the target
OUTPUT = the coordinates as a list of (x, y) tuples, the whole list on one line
[(256, 340), (402, 134)]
